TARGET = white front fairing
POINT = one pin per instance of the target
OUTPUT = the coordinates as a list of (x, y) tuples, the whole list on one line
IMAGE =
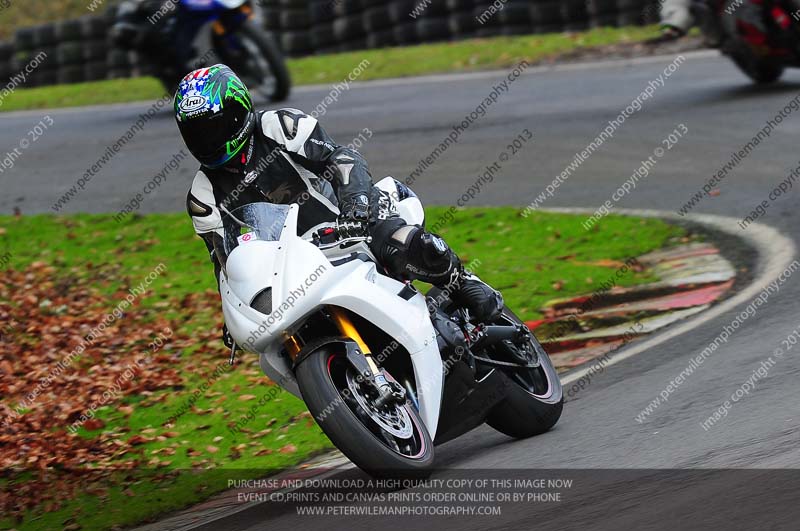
[(302, 280)]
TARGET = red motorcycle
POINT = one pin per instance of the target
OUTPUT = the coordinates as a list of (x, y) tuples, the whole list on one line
[(761, 37)]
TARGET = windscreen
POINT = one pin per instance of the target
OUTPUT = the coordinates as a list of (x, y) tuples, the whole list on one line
[(256, 221)]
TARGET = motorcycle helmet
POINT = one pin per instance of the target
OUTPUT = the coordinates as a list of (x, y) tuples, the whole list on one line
[(215, 114)]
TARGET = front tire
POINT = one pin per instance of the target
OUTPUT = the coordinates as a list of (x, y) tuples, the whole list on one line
[(326, 381)]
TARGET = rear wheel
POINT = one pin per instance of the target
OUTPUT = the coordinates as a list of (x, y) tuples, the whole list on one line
[(259, 62), (534, 398), (761, 71), (390, 441)]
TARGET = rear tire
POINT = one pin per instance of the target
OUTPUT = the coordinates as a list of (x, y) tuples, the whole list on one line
[(761, 72), (320, 377), (523, 414), (274, 58)]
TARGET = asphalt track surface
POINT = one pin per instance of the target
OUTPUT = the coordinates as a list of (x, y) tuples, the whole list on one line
[(565, 109)]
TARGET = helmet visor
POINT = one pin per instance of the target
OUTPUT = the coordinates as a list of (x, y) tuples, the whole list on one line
[(216, 138)]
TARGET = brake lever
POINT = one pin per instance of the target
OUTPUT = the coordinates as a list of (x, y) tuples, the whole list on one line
[(338, 243)]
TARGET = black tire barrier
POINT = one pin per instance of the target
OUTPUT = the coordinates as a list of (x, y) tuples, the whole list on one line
[(69, 53), (601, 7), (296, 43), (604, 20), (322, 36), (631, 17), (327, 50), (24, 38), (548, 28), (376, 19), (462, 24), (46, 59), (5, 73), (630, 5), (399, 11), (432, 29), (94, 28), (320, 11), (141, 70), (6, 52), (483, 19), (293, 19), (381, 39), (486, 32), (136, 60), (574, 12), (342, 8), (516, 14), (352, 46), (118, 59), (68, 30), (515, 30), (576, 26), (546, 13), (70, 74), (41, 78), (651, 13), (405, 34), (95, 71), (348, 28), (460, 5), (96, 50), (118, 73), (44, 35)]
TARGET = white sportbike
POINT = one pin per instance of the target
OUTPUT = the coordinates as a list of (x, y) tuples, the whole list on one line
[(386, 371)]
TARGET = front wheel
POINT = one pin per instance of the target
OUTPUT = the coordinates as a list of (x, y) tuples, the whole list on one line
[(387, 442), (534, 399)]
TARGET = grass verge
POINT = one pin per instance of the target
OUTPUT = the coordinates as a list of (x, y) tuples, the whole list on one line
[(162, 467), (459, 56)]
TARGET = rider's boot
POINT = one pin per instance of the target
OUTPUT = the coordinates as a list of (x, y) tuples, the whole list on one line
[(484, 303)]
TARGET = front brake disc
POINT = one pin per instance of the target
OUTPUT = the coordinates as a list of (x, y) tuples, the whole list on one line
[(394, 419)]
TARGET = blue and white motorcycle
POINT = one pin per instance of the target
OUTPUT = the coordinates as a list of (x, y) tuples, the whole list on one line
[(168, 33)]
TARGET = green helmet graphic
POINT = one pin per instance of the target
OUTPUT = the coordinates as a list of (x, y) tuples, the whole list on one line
[(215, 114)]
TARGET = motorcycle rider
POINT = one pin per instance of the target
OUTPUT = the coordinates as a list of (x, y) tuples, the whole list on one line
[(676, 19), (164, 27), (284, 156)]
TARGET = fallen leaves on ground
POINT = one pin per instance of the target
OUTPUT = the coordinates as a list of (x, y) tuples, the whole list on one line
[(288, 449), (72, 350)]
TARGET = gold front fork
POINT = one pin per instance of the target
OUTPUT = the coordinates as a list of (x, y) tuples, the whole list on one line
[(346, 327), (292, 346)]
